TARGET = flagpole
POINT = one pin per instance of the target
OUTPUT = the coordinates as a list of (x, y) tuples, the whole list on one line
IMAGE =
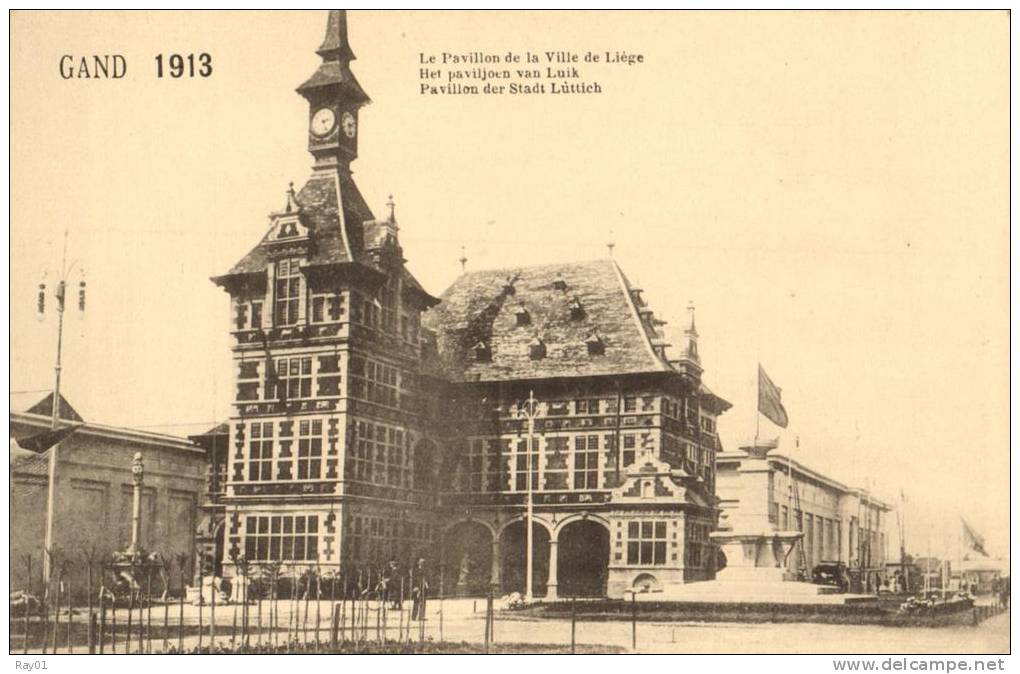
[(757, 411), (789, 495)]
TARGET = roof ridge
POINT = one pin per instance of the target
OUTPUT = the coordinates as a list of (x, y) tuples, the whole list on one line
[(625, 284), (531, 267)]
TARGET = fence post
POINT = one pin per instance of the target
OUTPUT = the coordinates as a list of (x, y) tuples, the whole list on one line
[(113, 626), (233, 629), (131, 616), (212, 614), (102, 617), (70, 647), (492, 616), (318, 606), (24, 643), (633, 620), (93, 619), (88, 597), (148, 608), (573, 625), (166, 615), (56, 613), (488, 622), (201, 605), (334, 625)]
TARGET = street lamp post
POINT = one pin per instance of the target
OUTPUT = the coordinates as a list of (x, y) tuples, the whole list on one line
[(138, 478), (529, 410), (60, 294)]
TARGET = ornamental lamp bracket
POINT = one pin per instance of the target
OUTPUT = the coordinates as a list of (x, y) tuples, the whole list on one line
[(137, 469)]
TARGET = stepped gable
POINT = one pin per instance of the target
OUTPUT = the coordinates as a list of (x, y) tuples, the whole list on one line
[(537, 322)]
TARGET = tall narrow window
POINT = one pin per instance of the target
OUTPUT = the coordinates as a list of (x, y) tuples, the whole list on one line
[(586, 462), (521, 467), (629, 448), (256, 315), (309, 461), (476, 465), (260, 451), (288, 292)]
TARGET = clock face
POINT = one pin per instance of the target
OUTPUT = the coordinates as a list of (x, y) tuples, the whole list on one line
[(323, 121), (349, 125)]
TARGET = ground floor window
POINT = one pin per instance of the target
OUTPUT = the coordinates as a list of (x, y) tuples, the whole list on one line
[(281, 537), (646, 542), (697, 549)]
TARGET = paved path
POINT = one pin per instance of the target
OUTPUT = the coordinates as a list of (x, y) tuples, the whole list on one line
[(463, 620)]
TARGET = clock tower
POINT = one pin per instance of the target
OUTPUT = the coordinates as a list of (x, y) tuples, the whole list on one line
[(334, 98), (331, 460)]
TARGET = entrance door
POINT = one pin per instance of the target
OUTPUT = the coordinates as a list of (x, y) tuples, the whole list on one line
[(513, 546), (583, 559)]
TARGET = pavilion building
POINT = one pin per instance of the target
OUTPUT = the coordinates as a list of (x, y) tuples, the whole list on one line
[(374, 422)]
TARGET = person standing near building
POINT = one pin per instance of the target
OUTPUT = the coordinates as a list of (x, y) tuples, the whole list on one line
[(389, 579), (419, 590)]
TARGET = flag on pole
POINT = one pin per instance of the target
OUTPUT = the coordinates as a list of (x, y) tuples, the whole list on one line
[(40, 442), (770, 401), (974, 540)]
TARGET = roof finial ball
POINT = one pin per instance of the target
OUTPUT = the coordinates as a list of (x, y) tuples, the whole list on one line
[(610, 244), (463, 259)]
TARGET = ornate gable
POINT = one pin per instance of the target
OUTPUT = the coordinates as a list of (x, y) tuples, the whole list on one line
[(649, 480), (288, 233)]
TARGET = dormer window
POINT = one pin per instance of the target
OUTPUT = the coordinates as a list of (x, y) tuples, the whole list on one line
[(483, 354), (288, 229), (523, 317), (536, 349), (596, 346), (576, 310), (560, 284)]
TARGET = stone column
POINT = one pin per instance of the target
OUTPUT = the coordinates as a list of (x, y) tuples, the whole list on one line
[(553, 579)]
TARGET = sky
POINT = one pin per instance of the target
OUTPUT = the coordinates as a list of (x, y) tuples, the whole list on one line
[(829, 189)]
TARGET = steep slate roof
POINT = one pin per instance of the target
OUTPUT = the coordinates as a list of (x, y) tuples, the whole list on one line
[(481, 307), (35, 403), (332, 237)]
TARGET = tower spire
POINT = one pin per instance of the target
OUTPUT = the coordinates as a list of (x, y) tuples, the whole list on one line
[(691, 336), (463, 259), (334, 72), (335, 46)]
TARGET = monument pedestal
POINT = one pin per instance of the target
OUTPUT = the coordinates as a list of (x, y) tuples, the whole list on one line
[(755, 552)]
